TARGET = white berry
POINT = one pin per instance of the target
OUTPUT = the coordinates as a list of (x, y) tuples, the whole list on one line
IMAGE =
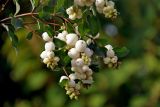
[(85, 68), (50, 54), (114, 59), (43, 54), (71, 39), (79, 62), (73, 53), (46, 37), (72, 83), (80, 45), (72, 76), (110, 53), (88, 52), (109, 47), (49, 46)]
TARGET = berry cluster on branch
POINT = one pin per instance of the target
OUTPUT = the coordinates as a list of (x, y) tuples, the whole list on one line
[(74, 47)]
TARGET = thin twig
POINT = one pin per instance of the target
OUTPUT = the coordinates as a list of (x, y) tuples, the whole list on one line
[(65, 72), (54, 24), (20, 15)]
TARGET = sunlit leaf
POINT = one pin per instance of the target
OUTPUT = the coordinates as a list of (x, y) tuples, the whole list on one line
[(13, 37), (59, 5), (121, 52), (29, 36), (17, 7), (63, 82), (59, 43)]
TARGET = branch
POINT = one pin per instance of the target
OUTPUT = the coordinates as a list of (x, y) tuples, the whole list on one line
[(65, 72), (21, 15), (32, 14)]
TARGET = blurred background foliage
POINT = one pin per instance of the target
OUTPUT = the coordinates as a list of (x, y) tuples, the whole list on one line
[(26, 82)]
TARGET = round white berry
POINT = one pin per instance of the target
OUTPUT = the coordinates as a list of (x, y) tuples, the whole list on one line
[(89, 72), (46, 37), (107, 60), (43, 54), (50, 54), (100, 3), (88, 52), (71, 83), (73, 53), (80, 45), (61, 36), (114, 59), (110, 53), (79, 2), (99, 9), (72, 76), (49, 46), (85, 68), (65, 32), (109, 47), (71, 39), (79, 62), (110, 3)]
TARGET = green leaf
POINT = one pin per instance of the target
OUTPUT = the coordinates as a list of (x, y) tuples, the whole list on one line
[(49, 30), (63, 82), (101, 41), (100, 51), (17, 7), (59, 43), (83, 28), (70, 28), (34, 3), (67, 60), (64, 58), (13, 37), (44, 15), (59, 5), (94, 67), (93, 24), (17, 22), (29, 36), (45, 28), (121, 52)]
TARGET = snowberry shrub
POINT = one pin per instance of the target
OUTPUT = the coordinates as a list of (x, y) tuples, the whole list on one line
[(72, 37)]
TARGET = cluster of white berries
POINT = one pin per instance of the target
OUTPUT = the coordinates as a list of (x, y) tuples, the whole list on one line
[(107, 8), (72, 88), (81, 60), (102, 6), (111, 59), (84, 2), (69, 38), (48, 55)]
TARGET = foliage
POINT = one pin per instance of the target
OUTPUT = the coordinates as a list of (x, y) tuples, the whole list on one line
[(129, 86)]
